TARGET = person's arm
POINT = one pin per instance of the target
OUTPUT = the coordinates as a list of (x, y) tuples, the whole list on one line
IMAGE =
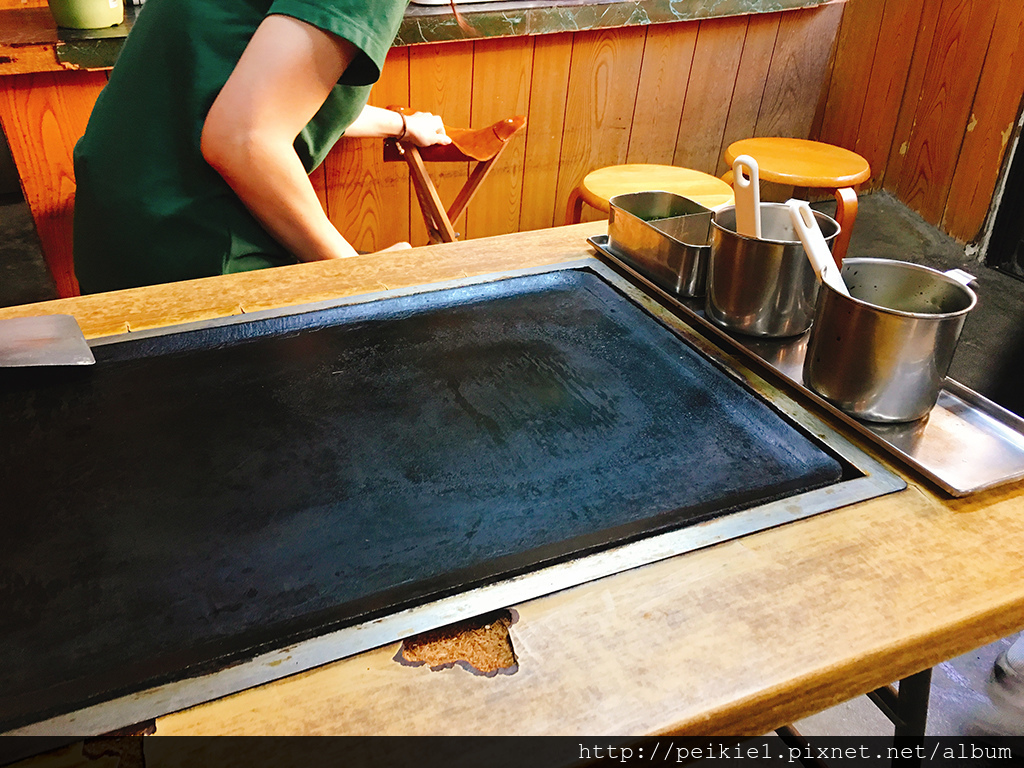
[(421, 128), (283, 77)]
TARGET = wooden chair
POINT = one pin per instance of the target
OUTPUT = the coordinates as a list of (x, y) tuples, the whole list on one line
[(599, 186), (482, 146), (812, 165)]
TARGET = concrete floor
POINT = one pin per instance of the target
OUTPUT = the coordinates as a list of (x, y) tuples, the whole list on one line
[(886, 229)]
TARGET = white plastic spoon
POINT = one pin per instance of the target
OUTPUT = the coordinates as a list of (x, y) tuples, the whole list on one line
[(815, 246), (747, 190)]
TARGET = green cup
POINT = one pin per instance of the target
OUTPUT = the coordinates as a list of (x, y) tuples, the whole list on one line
[(87, 14)]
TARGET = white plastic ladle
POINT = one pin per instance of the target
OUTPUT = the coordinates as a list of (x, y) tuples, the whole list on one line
[(815, 246), (746, 187)]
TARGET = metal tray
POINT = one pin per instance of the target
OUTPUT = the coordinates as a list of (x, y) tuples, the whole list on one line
[(965, 445)]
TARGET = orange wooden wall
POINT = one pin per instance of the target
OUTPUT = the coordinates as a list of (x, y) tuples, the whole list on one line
[(930, 92), (668, 93)]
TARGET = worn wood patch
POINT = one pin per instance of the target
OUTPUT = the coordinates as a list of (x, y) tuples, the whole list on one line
[(481, 645)]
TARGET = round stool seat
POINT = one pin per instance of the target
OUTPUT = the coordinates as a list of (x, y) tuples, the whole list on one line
[(599, 186), (802, 163)]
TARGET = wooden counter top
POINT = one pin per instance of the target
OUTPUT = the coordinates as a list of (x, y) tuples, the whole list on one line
[(738, 638)]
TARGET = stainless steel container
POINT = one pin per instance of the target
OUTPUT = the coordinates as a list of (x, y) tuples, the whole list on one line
[(881, 354), (765, 286), (665, 236)]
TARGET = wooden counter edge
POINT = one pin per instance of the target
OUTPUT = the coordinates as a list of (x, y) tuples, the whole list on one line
[(137, 309)]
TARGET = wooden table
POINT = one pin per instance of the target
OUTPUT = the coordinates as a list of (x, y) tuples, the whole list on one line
[(738, 638)]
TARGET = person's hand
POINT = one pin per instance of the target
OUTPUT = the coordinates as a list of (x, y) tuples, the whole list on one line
[(425, 129), (396, 247)]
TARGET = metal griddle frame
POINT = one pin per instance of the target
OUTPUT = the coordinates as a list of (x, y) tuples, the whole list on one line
[(864, 478)]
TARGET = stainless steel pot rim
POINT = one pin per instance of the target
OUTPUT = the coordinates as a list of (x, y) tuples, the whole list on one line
[(817, 214), (900, 312)]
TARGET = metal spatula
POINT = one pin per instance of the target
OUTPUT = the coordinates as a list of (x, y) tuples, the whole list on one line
[(43, 340)]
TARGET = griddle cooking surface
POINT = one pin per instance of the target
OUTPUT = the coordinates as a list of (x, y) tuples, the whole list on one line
[(196, 498)]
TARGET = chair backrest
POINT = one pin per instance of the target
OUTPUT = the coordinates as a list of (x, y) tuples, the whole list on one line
[(480, 145)]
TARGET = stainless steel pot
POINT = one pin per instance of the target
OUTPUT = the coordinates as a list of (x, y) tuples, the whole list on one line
[(882, 353), (763, 286)]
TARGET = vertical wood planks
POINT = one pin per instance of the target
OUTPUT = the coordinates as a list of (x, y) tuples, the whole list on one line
[(940, 105), (549, 84), (798, 68), (599, 109), (856, 47), (991, 125), (502, 68), (940, 121), (885, 88), (751, 77), (664, 75), (441, 81), (43, 116), (716, 61), (919, 68)]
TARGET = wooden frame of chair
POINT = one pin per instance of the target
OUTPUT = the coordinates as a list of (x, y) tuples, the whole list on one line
[(483, 146), (438, 220)]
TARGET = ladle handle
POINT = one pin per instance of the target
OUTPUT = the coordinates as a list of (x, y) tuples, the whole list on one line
[(747, 190), (815, 246)]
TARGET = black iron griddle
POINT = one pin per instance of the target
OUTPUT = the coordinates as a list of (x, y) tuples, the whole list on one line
[(196, 498)]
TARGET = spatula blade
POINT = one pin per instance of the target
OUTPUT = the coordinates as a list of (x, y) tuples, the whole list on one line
[(43, 340)]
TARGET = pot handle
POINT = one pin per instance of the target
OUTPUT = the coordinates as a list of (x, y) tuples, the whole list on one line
[(964, 278)]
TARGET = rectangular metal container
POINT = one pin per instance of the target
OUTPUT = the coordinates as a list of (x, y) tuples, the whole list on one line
[(665, 236)]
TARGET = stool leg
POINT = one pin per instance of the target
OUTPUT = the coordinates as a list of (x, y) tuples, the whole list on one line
[(434, 216), (574, 210), (846, 214)]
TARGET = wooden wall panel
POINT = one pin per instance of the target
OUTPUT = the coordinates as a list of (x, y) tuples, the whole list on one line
[(993, 118), (664, 75), (798, 71), (900, 144), (353, 203), (856, 47), (599, 105), (716, 61), (751, 77), (959, 46), (502, 68), (549, 85), (885, 88), (43, 117), (441, 81), (941, 104)]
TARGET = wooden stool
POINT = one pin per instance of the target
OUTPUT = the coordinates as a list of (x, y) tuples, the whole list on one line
[(599, 186), (814, 165), (482, 146)]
